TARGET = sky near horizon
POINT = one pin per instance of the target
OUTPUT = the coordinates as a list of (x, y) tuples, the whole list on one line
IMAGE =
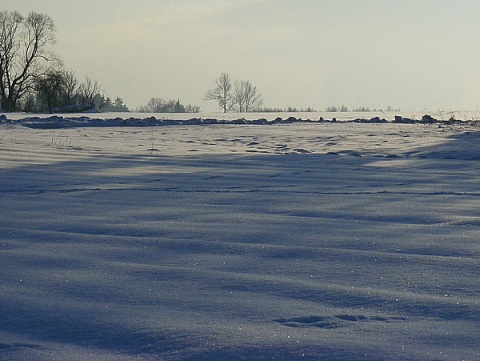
[(410, 54)]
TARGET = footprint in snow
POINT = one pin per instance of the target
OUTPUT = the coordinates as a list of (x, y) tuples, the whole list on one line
[(333, 321), (4, 346)]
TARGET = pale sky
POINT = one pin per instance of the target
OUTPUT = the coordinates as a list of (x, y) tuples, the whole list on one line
[(409, 54)]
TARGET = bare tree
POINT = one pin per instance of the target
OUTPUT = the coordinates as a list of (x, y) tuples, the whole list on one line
[(239, 95), (246, 97), (23, 53), (49, 88), (222, 92), (158, 105), (70, 87), (253, 99), (87, 90), (153, 106)]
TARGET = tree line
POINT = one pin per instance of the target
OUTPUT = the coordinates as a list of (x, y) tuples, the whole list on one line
[(289, 109), (343, 109), (33, 79)]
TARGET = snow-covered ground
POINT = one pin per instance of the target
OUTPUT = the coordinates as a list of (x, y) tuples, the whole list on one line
[(302, 241)]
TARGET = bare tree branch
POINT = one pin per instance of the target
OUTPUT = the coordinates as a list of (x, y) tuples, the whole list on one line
[(253, 99), (222, 92), (246, 97), (87, 90)]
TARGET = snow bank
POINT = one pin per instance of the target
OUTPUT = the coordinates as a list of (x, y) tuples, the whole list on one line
[(63, 121)]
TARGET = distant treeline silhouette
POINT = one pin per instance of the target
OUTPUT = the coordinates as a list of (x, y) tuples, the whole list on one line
[(344, 109), (158, 105), (286, 110)]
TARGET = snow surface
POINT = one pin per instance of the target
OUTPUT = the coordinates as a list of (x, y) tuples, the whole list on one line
[(302, 241)]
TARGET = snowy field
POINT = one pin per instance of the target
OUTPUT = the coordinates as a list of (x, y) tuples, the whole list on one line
[(303, 241)]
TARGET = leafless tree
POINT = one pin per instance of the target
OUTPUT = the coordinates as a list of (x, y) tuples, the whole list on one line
[(70, 87), (239, 95), (49, 89), (246, 97), (158, 105), (154, 105), (87, 90), (23, 53), (222, 92)]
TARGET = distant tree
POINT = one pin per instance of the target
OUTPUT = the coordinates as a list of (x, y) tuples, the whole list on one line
[(253, 99), (192, 108), (362, 109), (242, 96), (158, 105), (118, 105), (238, 98), (334, 109), (289, 109), (70, 88), (391, 109), (179, 107), (58, 90), (23, 53), (29, 102), (49, 89), (151, 107), (102, 103), (106, 104), (87, 90), (246, 98), (222, 92)]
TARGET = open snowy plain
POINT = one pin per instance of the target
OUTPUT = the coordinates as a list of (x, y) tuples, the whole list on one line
[(300, 241)]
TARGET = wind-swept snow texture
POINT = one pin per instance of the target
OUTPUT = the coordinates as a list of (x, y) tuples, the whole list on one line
[(329, 241)]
